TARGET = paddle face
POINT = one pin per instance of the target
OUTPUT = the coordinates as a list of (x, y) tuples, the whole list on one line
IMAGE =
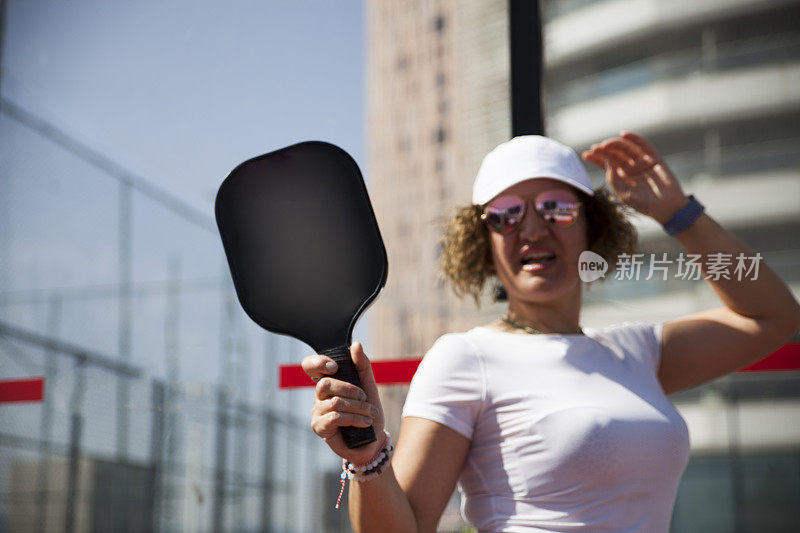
[(302, 242)]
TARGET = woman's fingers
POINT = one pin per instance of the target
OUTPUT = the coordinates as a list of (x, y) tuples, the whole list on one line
[(618, 182), (344, 405), (629, 160), (594, 159), (604, 156), (638, 175), (626, 149), (641, 143), (601, 158), (623, 165), (364, 369), (318, 366), (340, 404), (328, 424), (329, 387), (626, 155)]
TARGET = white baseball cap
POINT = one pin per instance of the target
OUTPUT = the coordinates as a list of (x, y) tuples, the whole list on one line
[(527, 157)]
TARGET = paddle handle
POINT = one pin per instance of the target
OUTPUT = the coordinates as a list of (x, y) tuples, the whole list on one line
[(353, 436)]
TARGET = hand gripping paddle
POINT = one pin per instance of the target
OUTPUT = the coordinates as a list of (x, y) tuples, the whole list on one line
[(304, 249)]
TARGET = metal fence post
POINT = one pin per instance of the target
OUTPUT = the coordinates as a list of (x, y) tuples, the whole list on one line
[(220, 462), (735, 457), (267, 484), (76, 421), (311, 471), (157, 455), (171, 470), (271, 343), (240, 465), (46, 425), (290, 508), (125, 318)]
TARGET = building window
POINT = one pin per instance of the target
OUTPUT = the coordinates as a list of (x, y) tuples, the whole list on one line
[(402, 62), (441, 135), (438, 24)]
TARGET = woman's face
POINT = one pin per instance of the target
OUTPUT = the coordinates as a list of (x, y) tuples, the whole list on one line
[(538, 261)]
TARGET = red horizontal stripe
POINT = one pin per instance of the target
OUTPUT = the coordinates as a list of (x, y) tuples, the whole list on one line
[(787, 357), (385, 372), (22, 390), (400, 371)]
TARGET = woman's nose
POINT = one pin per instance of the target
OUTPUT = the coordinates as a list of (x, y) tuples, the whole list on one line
[(533, 227)]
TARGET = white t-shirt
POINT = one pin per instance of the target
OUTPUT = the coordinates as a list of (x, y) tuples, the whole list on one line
[(568, 432)]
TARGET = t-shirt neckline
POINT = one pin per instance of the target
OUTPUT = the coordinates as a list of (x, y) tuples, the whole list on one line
[(587, 333)]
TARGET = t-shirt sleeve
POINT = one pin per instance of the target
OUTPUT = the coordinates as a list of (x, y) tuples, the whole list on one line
[(449, 386), (639, 340)]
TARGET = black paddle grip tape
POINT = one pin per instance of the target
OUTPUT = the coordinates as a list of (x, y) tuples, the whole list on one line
[(353, 436)]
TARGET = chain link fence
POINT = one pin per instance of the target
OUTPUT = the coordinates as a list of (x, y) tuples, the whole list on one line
[(161, 410)]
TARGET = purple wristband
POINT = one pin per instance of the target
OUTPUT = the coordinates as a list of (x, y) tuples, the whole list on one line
[(685, 217)]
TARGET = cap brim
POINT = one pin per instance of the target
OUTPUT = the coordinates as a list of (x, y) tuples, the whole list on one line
[(484, 197)]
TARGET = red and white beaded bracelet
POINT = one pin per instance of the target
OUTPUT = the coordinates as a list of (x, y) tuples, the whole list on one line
[(369, 470)]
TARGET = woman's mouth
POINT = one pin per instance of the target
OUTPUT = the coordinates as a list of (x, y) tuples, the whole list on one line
[(536, 261)]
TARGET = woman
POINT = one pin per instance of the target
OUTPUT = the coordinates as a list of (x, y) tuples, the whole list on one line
[(545, 425)]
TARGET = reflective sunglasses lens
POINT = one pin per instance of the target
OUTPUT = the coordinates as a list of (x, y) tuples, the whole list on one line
[(504, 214), (558, 207)]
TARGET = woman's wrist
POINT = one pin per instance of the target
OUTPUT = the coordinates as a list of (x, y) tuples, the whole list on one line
[(670, 209), (684, 217), (372, 468), (365, 454), (369, 470)]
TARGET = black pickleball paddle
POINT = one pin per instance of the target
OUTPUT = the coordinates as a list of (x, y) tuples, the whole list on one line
[(304, 249)]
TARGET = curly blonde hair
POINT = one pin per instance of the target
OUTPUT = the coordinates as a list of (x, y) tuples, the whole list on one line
[(466, 260)]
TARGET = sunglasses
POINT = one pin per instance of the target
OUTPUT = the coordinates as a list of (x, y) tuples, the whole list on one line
[(504, 214)]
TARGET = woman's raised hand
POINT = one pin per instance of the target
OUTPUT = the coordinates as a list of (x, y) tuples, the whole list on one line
[(639, 176), (339, 404)]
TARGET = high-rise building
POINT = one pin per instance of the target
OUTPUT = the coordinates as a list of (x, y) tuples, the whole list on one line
[(438, 100), (713, 85)]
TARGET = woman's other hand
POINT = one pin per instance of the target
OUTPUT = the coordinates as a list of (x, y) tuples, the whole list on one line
[(639, 176), (338, 404)]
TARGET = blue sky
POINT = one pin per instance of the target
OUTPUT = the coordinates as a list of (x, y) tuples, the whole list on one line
[(180, 92), (176, 92)]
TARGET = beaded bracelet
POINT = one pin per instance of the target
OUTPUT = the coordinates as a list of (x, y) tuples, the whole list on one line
[(369, 470)]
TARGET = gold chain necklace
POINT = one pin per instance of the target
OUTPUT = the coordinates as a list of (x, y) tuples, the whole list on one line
[(513, 324), (526, 329)]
